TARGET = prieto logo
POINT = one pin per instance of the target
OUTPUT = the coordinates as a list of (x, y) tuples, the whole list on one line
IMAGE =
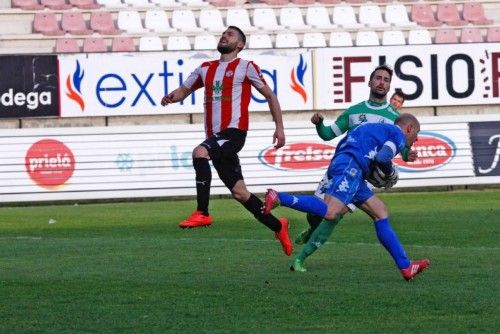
[(49, 163), (434, 151), (301, 155)]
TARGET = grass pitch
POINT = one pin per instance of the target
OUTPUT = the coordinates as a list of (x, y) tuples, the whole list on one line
[(128, 268)]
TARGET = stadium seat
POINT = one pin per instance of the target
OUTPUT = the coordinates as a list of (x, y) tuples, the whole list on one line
[(355, 2), (150, 43), (123, 44), (84, 4), (274, 3), (287, 40), (74, 23), (138, 3), (381, 1), (178, 43), (423, 15), (205, 42), (157, 21), (46, 23), (471, 35), (291, 18), (367, 38), (329, 2), (313, 40), (397, 15), (393, 37), (211, 20), (56, 4), (344, 16), (419, 36), (67, 45), (130, 21), (303, 2), (195, 3), (102, 22), (111, 3), (265, 19), (94, 44), (371, 16), (445, 36), (340, 39), (493, 35), (474, 13), (448, 13), (184, 20), (222, 3), (27, 4), (166, 3), (260, 41), (239, 17), (317, 17)]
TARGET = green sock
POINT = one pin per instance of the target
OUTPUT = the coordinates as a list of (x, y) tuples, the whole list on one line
[(319, 237)]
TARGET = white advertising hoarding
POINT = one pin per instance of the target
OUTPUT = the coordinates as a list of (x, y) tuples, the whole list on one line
[(134, 84), (155, 161), (429, 75)]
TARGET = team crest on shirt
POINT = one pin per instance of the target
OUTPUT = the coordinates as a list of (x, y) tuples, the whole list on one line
[(362, 118), (229, 74), (217, 87)]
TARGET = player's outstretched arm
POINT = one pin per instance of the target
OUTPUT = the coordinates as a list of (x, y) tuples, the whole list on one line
[(275, 108), (177, 95), (324, 132)]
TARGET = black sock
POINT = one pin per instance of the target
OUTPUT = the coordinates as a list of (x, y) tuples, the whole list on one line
[(203, 182), (254, 205), (314, 220)]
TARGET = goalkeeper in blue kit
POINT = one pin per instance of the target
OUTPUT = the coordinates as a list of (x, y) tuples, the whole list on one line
[(365, 153)]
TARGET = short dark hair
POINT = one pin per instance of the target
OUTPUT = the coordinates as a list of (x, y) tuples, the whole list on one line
[(383, 67), (243, 38), (399, 93)]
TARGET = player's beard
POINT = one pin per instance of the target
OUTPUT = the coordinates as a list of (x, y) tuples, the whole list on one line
[(225, 49), (378, 95)]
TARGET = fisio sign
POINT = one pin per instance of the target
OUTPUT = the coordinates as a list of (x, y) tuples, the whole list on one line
[(104, 85), (434, 151), (296, 156), (441, 75), (49, 163)]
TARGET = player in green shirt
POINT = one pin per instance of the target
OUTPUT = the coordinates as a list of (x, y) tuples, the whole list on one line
[(375, 110)]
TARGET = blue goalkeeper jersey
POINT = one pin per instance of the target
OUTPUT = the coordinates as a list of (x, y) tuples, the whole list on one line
[(366, 141)]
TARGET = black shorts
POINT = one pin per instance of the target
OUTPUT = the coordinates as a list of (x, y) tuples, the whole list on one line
[(223, 148)]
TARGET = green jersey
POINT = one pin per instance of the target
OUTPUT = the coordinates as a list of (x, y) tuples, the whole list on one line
[(364, 112)]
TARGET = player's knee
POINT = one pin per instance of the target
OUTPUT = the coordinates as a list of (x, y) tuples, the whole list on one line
[(200, 152)]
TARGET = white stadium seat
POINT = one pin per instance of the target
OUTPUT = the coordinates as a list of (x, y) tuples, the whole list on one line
[(184, 20), (313, 40), (287, 40), (239, 17), (260, 41), (150, 43), (393, 37), (211, 20), (371, 16), (265, 18), (344, 16), (157, 21), (291, 18), (178, 43), (367, 38), (317, 17), (419, 36), (205, 42), (130, 21), (340, 38)]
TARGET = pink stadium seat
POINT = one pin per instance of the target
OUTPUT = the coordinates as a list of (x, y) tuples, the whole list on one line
[(448, 13), (303, 2), (123, 44), (423, 15), (445, 36), (493, 35), (276, 2), (84, 4), (102, 22), (381, 1), (329, 2), (355, 1), (56, 4), (46, 23), (73, 23), (94, 44), (67, 45), (471, 35), (474, 13), (27, 4)]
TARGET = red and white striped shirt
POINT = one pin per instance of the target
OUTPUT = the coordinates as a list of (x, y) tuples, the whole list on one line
[(227, 92)]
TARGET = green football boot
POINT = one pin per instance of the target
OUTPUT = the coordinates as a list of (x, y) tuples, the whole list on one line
[(298, 265), (303, 237)]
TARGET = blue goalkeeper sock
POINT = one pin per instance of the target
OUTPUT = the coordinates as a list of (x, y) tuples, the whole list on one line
[(304, 203), (390, 241)]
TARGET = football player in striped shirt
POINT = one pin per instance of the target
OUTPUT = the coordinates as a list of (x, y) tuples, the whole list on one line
[(228, 82)]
